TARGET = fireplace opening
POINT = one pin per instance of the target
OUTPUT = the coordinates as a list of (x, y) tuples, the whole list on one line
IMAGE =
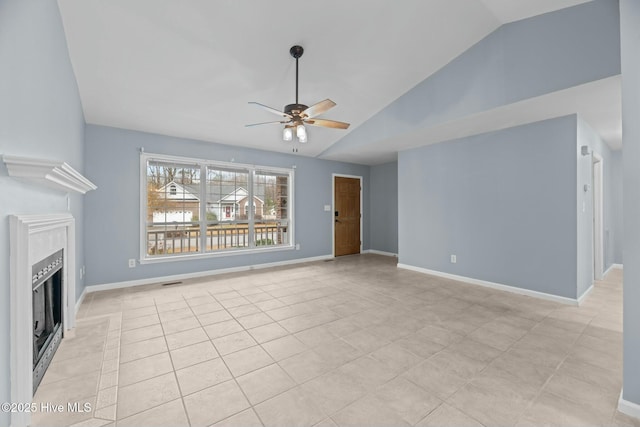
[(47, 313)]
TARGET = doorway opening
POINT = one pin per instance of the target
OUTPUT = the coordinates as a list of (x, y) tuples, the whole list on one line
[(347, 211), (598, 214)]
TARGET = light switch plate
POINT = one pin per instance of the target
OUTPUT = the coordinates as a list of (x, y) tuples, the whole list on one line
[(327, 208)]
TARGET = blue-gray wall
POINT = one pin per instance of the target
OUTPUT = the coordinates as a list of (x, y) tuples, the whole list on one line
[(519, 60), (611, 204), (41, 117), (503, 202), (383, 211), (112, 222), (630, 40), (616, 200)]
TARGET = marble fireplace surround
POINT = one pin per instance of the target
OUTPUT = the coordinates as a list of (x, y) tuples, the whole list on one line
[(33, 238)]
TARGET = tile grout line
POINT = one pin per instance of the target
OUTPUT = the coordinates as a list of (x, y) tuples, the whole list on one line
[(227, 367), (175, 374)]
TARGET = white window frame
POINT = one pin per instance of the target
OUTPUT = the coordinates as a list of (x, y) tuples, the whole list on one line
[(144, 258)]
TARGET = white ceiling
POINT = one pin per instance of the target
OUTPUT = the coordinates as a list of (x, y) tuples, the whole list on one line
[(188, 68)]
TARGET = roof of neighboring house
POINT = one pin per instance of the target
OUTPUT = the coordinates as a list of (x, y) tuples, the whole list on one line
[(182, 192), (226, 193), (237, 196), (234, 196)]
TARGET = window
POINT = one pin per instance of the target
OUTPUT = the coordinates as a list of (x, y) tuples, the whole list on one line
[(204, 208)]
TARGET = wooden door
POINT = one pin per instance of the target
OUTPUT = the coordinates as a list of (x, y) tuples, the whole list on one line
[(347, 215)]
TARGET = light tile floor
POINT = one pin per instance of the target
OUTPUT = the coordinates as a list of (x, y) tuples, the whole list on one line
[(350, 342)]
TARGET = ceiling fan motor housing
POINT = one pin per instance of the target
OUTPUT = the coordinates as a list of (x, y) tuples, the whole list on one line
[(294, 109)]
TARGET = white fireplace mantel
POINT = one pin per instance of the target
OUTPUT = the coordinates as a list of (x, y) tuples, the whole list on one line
[(54, 174), (34, 237)]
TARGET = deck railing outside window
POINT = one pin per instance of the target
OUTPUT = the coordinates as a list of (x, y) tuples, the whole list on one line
[(185, 239), (194, 206)]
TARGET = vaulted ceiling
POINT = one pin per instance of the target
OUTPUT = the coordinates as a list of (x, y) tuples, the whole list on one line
[(189, 68)]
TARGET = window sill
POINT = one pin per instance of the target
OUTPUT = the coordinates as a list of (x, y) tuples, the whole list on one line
[(230, 252)]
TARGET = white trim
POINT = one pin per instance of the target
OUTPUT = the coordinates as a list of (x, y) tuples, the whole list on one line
[(208, 162), (144, 258), (81, 299), (501, 287), (221, 253), (598, 216), (628, 408), (377, 252), (54, 174), (152, 280), (142, 197), (585, 295), (612, 267), (32, 238), (333, 204), (291, 206)]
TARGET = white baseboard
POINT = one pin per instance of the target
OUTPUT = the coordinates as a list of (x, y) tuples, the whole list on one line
[(628, 408), (501, 287), (611, 267), (585, 294), (152, 280), (81, 299), (377, 252)]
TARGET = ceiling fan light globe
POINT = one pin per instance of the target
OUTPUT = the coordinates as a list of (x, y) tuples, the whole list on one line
[(287, 134), (303, 140), (301, 132)]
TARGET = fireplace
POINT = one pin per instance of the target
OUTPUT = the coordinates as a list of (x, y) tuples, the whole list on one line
[(47, 312), (43, 299), (35, 238)]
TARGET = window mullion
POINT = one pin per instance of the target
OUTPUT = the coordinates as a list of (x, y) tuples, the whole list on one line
[(203, 208), (169, 234), (251, 215)]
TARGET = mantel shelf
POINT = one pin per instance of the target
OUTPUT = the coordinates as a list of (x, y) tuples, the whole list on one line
[(51, 173)]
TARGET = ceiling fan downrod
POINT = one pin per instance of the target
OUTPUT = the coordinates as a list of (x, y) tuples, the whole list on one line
[(296, 116), (296, 51)]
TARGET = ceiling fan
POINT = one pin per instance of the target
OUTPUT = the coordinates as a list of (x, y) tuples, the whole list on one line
[(295, 116)]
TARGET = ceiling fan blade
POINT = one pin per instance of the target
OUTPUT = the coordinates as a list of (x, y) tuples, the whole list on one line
[(327, 123), (271, 110), (265, 123), (319, 108)]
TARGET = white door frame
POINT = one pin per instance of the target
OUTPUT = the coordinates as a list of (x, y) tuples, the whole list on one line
[(333, 210), (598, 216)]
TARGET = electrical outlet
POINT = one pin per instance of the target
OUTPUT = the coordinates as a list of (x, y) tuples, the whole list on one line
[(132, 263), (453, 259), (297, 246)]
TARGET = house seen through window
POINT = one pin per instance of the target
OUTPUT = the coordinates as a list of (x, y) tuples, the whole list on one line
[(211, 207)]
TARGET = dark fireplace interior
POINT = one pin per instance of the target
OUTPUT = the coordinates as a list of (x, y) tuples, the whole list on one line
[(47, 313)]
